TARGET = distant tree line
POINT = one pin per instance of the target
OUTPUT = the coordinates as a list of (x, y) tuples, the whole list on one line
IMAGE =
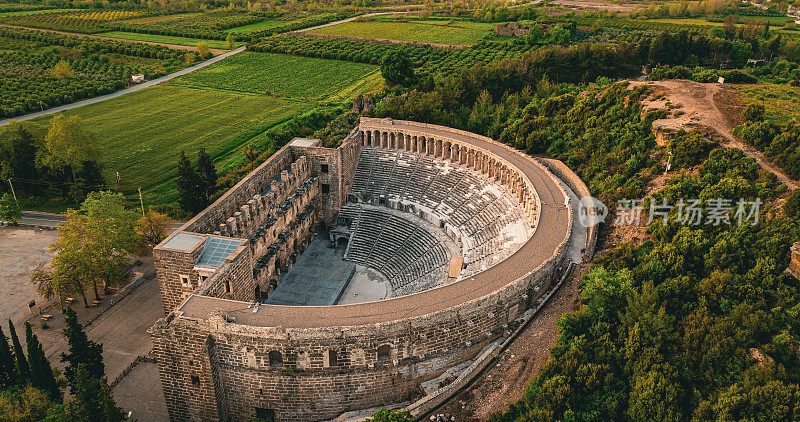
[(60, 160)]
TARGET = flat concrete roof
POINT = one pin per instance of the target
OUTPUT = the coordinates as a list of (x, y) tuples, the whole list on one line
[(182, 242), (305, 142), (552, 230)]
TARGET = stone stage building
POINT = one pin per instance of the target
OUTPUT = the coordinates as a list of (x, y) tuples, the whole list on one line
[(467, 233)]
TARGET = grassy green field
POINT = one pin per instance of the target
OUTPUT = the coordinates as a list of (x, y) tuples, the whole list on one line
[(166, 39), (780, 100), (426, 31), (255, 26), (141, 134), (221, 108), (295, 77)]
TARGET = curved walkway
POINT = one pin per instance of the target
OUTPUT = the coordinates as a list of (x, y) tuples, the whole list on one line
[(122, 92)]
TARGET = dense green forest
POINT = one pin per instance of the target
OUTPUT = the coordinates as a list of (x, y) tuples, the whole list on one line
[(695, 322), (690, 322)]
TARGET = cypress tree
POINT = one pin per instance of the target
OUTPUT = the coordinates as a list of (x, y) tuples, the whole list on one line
[(188, 185), (41, 372), (81, 352), (21, 365), (92, 400), (207, 176), (7, 375)]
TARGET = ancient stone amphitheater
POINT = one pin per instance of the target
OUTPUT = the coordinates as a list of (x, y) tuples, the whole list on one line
[(337, 279)]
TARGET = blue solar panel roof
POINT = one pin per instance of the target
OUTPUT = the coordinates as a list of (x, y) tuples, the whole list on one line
[(216, 250)]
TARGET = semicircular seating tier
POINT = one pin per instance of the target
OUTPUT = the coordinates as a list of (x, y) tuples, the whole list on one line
[(483, 220)]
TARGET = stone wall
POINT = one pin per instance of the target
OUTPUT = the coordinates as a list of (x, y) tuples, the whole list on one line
[(217, 213), (170, 266), (304, 386), (260, 208), (234, 280), (581, 190), (214, 367), (334, 167), (454, 145)]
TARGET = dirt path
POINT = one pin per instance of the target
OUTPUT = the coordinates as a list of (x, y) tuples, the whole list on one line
[(710, 106), (505, 382), (214, 51)]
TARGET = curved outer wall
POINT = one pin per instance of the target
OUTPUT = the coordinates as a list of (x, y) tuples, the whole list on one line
[(219, 360)]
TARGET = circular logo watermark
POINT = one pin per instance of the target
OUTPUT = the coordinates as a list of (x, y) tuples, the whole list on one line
[(591, 211)]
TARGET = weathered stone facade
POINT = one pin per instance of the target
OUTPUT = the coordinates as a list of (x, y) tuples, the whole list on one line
[(222, 357), (512, 29)]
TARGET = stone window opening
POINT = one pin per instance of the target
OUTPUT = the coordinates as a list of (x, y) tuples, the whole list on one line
[(185, 280), (324, 168), (326, 188), (384, 352), (228, 286), (195, 380), (333, 359), (275, 358)]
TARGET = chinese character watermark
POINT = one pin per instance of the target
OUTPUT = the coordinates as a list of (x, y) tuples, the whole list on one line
[(686, 211)]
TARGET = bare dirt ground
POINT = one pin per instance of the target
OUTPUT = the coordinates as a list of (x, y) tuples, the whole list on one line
[(214, 51), (24, 251), (120, 322), (505, 382), (710, 107), (600, 5)]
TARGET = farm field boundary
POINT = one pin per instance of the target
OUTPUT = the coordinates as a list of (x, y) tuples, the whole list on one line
[(383, 40), (165, 39), (214, 51), (122, 92), (433, 32)]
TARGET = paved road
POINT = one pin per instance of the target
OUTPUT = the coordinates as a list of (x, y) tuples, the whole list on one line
[(41, 219), (344, 20), (127, 90), (46, 219)]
